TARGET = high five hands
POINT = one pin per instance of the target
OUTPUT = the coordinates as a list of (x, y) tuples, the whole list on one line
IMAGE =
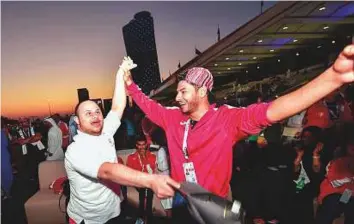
[(344, 65), (124, 69)]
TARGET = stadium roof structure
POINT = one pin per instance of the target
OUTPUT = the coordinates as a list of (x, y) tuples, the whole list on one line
[(289, 35)]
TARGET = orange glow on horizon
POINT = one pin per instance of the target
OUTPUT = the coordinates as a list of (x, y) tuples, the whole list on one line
[(25, 100)]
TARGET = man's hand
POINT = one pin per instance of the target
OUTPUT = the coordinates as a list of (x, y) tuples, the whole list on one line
[(163, 185), (125, 68), (299, 155), (318, 149), (22, 141), (344, 65)]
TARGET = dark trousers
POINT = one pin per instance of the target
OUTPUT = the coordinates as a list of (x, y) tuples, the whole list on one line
[(332, 208), (303, 206), (145, 211), (181, 214), (276, 196)]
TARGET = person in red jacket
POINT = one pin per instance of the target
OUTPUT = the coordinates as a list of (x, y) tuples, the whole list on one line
[(144, 161), (200, 136), (337, 190)]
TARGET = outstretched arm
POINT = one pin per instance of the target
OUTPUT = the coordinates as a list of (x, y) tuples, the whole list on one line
[(341, 72), (154, 111), (162, 185)]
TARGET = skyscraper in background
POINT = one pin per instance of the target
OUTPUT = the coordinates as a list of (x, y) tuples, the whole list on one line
[(139, 39), (83, 94)]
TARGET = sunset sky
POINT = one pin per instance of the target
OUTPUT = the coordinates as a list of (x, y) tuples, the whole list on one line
[(49, 49)]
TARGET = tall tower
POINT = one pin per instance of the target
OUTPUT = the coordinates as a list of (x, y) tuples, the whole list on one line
[(139, 39), (83, 94)]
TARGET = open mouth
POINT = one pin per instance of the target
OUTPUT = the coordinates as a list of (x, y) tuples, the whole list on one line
[(96, 123)]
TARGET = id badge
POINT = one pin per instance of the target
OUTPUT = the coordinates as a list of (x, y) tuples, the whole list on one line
[(346, 196), (189, 172), (24, 150), (148, 167)]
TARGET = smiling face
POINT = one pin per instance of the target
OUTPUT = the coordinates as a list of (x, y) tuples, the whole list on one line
[(89, 118), (141, 147), (189, 97)]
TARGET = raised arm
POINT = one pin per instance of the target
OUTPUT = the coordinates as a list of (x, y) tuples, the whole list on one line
[(119, 99), (341, 72), (154, 111)]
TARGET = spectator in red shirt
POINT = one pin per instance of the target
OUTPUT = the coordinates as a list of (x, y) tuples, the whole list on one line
[(336, 191), (200, 136), (144, 161)]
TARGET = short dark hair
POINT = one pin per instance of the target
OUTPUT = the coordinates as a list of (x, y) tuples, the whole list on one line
[(140, 138), (78, 105), (314, 130)]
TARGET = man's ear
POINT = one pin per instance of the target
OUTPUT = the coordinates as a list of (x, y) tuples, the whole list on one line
[(202, 92), (76, 119)]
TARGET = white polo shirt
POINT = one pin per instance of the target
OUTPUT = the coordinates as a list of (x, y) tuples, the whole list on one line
[(90, 200)]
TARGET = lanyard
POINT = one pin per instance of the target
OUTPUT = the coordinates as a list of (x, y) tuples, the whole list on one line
[(184, 146), (141, 163)]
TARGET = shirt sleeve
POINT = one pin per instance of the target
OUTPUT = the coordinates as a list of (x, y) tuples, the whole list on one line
[(249, 120), (154, 111), (111, 123), (337, 175), (87, 164)]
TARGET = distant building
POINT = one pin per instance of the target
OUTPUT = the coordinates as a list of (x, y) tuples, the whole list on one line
[(139, 39), (107, 105), (83, 94)]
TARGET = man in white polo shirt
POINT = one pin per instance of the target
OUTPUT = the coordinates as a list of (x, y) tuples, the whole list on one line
[(92, 167)]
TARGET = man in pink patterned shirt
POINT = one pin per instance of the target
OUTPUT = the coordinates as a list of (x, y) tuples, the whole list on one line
[(200, 136)]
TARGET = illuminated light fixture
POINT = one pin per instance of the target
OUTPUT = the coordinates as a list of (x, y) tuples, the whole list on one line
[(285, 28), (278, 60), (257, 67), (333, 41), (297, 54), (227, 58), (216, 64), (239, 63), (255, 58), (228, 68), (246, 71), (241, 51), (219, 73), (271, 50), (322, 8), (326, 27), (260, 41), (319, 46), (295, 40)]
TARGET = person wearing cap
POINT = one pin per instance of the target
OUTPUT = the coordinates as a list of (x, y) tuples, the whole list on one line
[(200, 136), (92, 166), (54, 150)]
